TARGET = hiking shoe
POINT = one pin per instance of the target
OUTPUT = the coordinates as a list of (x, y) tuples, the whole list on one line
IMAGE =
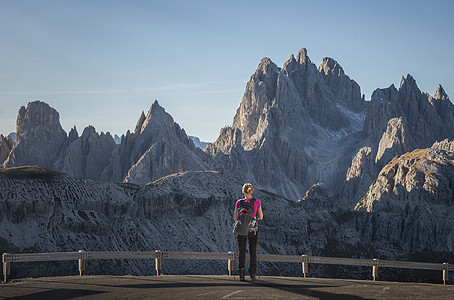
[(242, 272)]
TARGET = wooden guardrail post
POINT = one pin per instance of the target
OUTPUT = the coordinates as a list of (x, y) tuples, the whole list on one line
[(6, 267), (231, 263), (445, 272), (375, 268), (158, 262), (81, 264), (305, 265)]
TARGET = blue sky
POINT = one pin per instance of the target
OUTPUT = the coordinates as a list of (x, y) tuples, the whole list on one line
[(101, 62)]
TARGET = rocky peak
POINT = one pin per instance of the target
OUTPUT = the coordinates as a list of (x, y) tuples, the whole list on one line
[(37, 114), (440, 94), (257, 98), (89, 131), (408, 85), (330, 66), (302, 57), (300, 67), (157, 117), (344, 89), (266, 66), (40, 136), (158, 149), (73, 135), (139, 123), (86, 156)]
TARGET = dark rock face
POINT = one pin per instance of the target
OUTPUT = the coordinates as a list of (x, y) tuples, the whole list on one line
[(316, 97), (189, 211), (343, 88), (157, 147), (39, 137), (6, 144), (291, 123), (419, 111), (87, 156)]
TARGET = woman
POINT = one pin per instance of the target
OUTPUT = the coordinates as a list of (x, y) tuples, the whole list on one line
[(252, 235)]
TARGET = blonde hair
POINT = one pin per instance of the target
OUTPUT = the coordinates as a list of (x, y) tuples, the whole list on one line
[(247, 188)]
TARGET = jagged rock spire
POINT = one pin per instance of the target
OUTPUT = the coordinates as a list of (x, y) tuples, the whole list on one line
[(139, 123), (440, 93), (302, 56), (408, 82), (331, 66)]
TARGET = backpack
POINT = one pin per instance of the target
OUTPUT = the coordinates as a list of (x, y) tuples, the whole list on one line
[(245, 222)]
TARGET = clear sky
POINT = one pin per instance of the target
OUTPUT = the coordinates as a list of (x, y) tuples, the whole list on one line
[(101, 62)]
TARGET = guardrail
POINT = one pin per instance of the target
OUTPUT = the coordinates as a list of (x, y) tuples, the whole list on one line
[(159, 255)]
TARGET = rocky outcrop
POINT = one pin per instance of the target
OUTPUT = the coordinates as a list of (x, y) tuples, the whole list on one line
[(444, 109), (405, 119), (86, 156), (39, 137), (6, 144), (346, 90), (315, 96), (395, 141), (422, 176), (360, 175), (188, 211), (157, 147), (425, 122), (291, 124), (445, 145), (229, 140), (317, 197), (258, 97), (413, 196)]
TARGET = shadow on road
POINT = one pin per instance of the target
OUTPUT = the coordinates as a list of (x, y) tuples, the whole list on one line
[(61, 294)]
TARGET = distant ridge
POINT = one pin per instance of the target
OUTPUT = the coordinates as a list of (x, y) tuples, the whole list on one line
[(198, 143), (297, 126)]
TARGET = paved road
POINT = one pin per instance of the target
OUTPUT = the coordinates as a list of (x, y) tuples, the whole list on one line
[(215, 287)]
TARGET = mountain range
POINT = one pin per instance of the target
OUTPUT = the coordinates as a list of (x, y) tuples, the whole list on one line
[(354, 178)]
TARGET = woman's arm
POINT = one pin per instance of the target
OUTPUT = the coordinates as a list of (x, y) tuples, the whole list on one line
[(259, 213), (235, 213)]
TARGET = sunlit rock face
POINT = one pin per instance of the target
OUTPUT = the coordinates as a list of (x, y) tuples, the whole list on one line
[(412, 198)]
